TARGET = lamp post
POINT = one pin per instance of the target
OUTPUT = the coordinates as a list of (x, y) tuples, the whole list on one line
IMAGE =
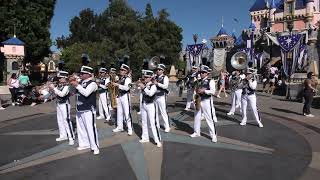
[(252, 29), (290, 27)]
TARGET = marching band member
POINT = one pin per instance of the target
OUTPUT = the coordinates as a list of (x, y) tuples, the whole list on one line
[(123, 100), (206, 89), (104, 112), (86, 110), (248, 94), (162, 83), (63, 108), (191, 78), (236, 90), (148, 109)]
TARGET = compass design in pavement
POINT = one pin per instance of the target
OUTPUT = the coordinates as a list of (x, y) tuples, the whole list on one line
[(273, 152)]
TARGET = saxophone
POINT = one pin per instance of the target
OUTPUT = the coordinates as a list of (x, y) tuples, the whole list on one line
[(196, 96), (114, 90)]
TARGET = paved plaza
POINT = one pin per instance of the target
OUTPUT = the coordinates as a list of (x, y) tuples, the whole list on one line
[(287, 148)]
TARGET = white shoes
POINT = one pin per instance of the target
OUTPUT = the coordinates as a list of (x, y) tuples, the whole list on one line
[(214, 139), (230, 113), (99, 117), (187, 109), (2, 108), (243, 123), (159, 145), (96, 151), (61, 139), (218, 96), (138, 112), (117, 130), (130, 133), (71, 142), (144, 141), (309, 115), (167, 130), (194, 135), (82, 148), (260, 125), (33, 104), (13, 104), (108, 118)]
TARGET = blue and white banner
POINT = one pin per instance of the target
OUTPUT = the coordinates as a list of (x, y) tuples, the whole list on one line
[(290, 51), (195, 53)]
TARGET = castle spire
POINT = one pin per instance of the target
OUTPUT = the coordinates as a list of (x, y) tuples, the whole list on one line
[(14, 30)]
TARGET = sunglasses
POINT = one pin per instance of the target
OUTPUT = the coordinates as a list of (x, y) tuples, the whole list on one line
[(122, 70), (203, 72)]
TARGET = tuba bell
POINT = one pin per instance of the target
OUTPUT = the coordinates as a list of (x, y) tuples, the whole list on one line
[(153, 63), (239, 60)]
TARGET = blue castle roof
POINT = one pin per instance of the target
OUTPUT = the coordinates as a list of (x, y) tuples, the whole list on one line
[(13, 41), (239, 41), (278, 4), (222, 31)]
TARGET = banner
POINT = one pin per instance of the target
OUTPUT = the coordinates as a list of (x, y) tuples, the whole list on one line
[(219, 57), (195, 53)]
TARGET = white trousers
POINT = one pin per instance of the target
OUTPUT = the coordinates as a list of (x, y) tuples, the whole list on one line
[(64, 122), (207, 110), (236, 100), (104, 110), (124, 112), (162, 107), (190, 103), (87, 129), (148, 116), (252, 99)]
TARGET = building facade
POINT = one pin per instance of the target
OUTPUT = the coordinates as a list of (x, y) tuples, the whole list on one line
[(275, 14)]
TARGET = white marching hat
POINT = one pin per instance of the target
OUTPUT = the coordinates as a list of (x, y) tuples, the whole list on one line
[(86, 69), (147, 73), (161, 66), (125, 67), (103, 70), (62, 74)]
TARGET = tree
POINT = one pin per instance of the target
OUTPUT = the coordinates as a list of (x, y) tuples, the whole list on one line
[(32, 21), (120, 30)]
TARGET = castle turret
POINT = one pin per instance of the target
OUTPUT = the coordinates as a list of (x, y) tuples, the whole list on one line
[(272, 11), (310, 12)]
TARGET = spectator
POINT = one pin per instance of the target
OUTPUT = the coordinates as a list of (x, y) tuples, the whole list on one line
[(309, 91), (1, 108), (13, 84), (222, 84), (24, 79)]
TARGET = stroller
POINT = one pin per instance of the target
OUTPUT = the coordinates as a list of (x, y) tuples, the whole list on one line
[(26, 95)]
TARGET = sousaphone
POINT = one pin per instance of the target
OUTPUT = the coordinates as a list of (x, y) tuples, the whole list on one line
[(239, 60)]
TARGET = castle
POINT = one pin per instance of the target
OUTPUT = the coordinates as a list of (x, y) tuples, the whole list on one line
[(275, 14)]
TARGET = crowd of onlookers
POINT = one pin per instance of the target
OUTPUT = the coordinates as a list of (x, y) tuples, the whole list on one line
[(23, 92)]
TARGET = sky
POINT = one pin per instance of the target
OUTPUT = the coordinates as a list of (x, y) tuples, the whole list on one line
[(202, 17)]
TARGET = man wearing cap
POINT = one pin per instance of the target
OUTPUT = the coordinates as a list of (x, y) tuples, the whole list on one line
[(236, 91), (248, 94), (162, 83), (104, 112), (148, 109), (123, 100), (205, 90), (191, 78), (63, 108), (86, 110)]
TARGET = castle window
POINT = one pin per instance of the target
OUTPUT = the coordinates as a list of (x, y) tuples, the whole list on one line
[(15, 65), (290, 7)]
